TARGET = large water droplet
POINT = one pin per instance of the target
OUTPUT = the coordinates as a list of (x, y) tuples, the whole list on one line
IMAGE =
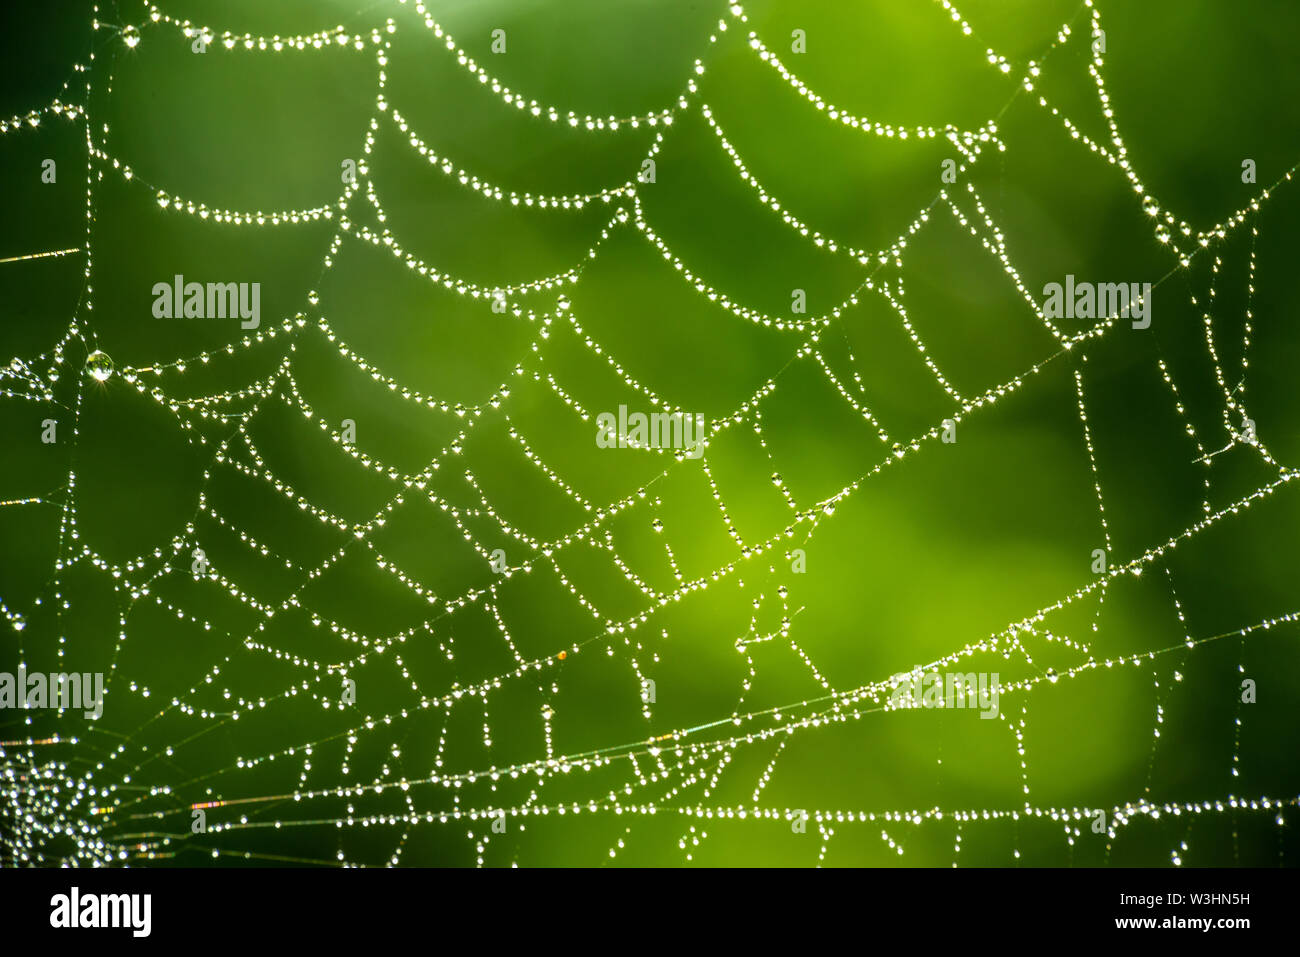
[(563, 303), (100, 366)]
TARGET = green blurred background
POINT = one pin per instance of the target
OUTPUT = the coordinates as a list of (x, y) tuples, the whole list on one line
[(940, 551)]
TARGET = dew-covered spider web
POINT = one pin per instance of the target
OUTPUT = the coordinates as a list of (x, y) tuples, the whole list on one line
[(365, 590)]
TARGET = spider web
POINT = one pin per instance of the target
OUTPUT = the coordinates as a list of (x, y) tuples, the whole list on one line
[(506, 717)]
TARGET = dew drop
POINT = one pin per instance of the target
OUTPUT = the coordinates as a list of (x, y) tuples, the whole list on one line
[(100, 366), (776, 479), (1051, 675)]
